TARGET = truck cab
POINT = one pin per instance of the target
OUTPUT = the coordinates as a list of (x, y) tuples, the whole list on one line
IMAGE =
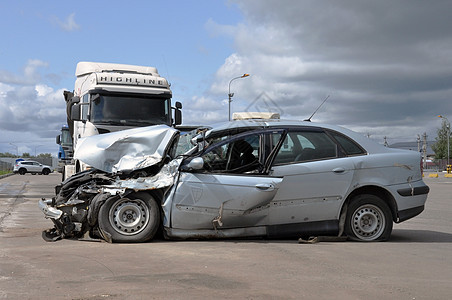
[(112, 97)]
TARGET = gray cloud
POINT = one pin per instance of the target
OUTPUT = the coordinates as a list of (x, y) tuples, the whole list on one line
[(386, 64)]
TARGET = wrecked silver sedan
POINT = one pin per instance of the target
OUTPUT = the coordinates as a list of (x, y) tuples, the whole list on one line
[(247, 178)]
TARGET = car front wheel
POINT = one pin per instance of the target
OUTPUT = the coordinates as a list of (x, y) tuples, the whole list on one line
[(45, 172), (135, 218), (368, 219)]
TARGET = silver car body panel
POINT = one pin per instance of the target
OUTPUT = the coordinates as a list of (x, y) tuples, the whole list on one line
[(311, 191), (126, 150), (215, 201)]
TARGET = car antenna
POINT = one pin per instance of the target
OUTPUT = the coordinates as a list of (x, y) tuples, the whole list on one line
[(309, 120)]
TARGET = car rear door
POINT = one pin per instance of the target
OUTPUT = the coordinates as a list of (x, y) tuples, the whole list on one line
[(317, 177)]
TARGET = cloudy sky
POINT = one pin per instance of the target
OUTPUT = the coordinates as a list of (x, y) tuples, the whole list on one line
[(385, 65)]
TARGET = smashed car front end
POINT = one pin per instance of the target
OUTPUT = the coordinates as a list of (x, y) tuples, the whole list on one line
[(132, 170)]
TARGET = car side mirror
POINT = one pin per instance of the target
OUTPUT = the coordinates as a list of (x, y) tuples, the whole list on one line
[(196, 163)]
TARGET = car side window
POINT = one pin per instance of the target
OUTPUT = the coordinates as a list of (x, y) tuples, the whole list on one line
[(301, 146), (235, 156), (348, 145)]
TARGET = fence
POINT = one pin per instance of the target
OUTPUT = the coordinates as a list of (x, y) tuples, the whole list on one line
[(5, 166), (442, 164)]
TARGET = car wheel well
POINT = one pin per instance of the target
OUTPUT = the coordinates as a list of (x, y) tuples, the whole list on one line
[(376, 191), (150, 195)]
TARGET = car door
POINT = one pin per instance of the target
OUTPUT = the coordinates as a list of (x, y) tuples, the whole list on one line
[(230, 190), (37, 167), (317, 177)]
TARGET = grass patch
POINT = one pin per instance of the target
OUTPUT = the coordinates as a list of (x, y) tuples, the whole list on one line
[(4, 172)]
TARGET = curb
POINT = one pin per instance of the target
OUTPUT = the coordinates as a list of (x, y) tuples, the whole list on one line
[(6, 175)]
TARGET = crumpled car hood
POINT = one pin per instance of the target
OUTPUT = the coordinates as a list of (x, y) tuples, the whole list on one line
[(126, 150)]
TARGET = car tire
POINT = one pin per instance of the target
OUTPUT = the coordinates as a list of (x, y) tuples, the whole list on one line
[(22, 171), (368, 219), (133, 219), (45, 172)]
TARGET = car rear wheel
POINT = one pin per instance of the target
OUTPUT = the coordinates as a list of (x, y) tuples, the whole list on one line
[(132, 219), (368, 219), (22, 171)]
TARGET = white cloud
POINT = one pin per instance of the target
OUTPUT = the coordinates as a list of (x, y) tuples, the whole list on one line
[(69, 23)]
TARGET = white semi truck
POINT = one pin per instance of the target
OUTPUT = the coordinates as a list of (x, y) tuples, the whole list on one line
[(111, 97)]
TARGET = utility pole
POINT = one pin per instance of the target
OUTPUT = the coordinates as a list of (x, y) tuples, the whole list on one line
[(424, 150), (418, 143)]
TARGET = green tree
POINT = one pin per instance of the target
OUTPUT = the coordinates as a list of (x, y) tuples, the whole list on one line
[(44, 155), (442, 140), (7, 154)]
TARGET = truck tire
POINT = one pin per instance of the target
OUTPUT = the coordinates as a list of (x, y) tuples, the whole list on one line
[(133, 219)]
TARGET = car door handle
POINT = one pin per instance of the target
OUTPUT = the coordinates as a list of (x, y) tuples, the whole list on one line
[(339, 170), (265, 187)]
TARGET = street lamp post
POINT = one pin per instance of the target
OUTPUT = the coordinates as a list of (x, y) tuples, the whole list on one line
[(230, 95), (448, 136), (36, 147)]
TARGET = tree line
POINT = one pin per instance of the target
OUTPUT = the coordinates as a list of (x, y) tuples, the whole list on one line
[(25, 154)]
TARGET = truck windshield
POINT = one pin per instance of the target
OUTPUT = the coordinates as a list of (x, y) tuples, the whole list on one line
[(66, 139), (142, 110)]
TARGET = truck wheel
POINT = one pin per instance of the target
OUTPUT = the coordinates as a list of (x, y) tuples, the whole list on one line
[(130, 220), (22, 171), (368, 219)]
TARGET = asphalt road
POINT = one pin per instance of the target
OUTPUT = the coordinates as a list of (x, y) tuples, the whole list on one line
[(415, 264)]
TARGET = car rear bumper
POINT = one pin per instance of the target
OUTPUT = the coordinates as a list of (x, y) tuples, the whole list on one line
[(406, 214)]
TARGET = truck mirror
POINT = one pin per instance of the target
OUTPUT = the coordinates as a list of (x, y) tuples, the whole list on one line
[(177, 117), (75, 112), (178, 105), (75, 100), (68, 95), (58, 139)]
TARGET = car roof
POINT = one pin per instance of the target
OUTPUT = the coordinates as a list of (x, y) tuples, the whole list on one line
[(236, 125)]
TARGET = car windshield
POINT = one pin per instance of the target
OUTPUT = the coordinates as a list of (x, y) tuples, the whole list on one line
[(186, 145), (141, 110)]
